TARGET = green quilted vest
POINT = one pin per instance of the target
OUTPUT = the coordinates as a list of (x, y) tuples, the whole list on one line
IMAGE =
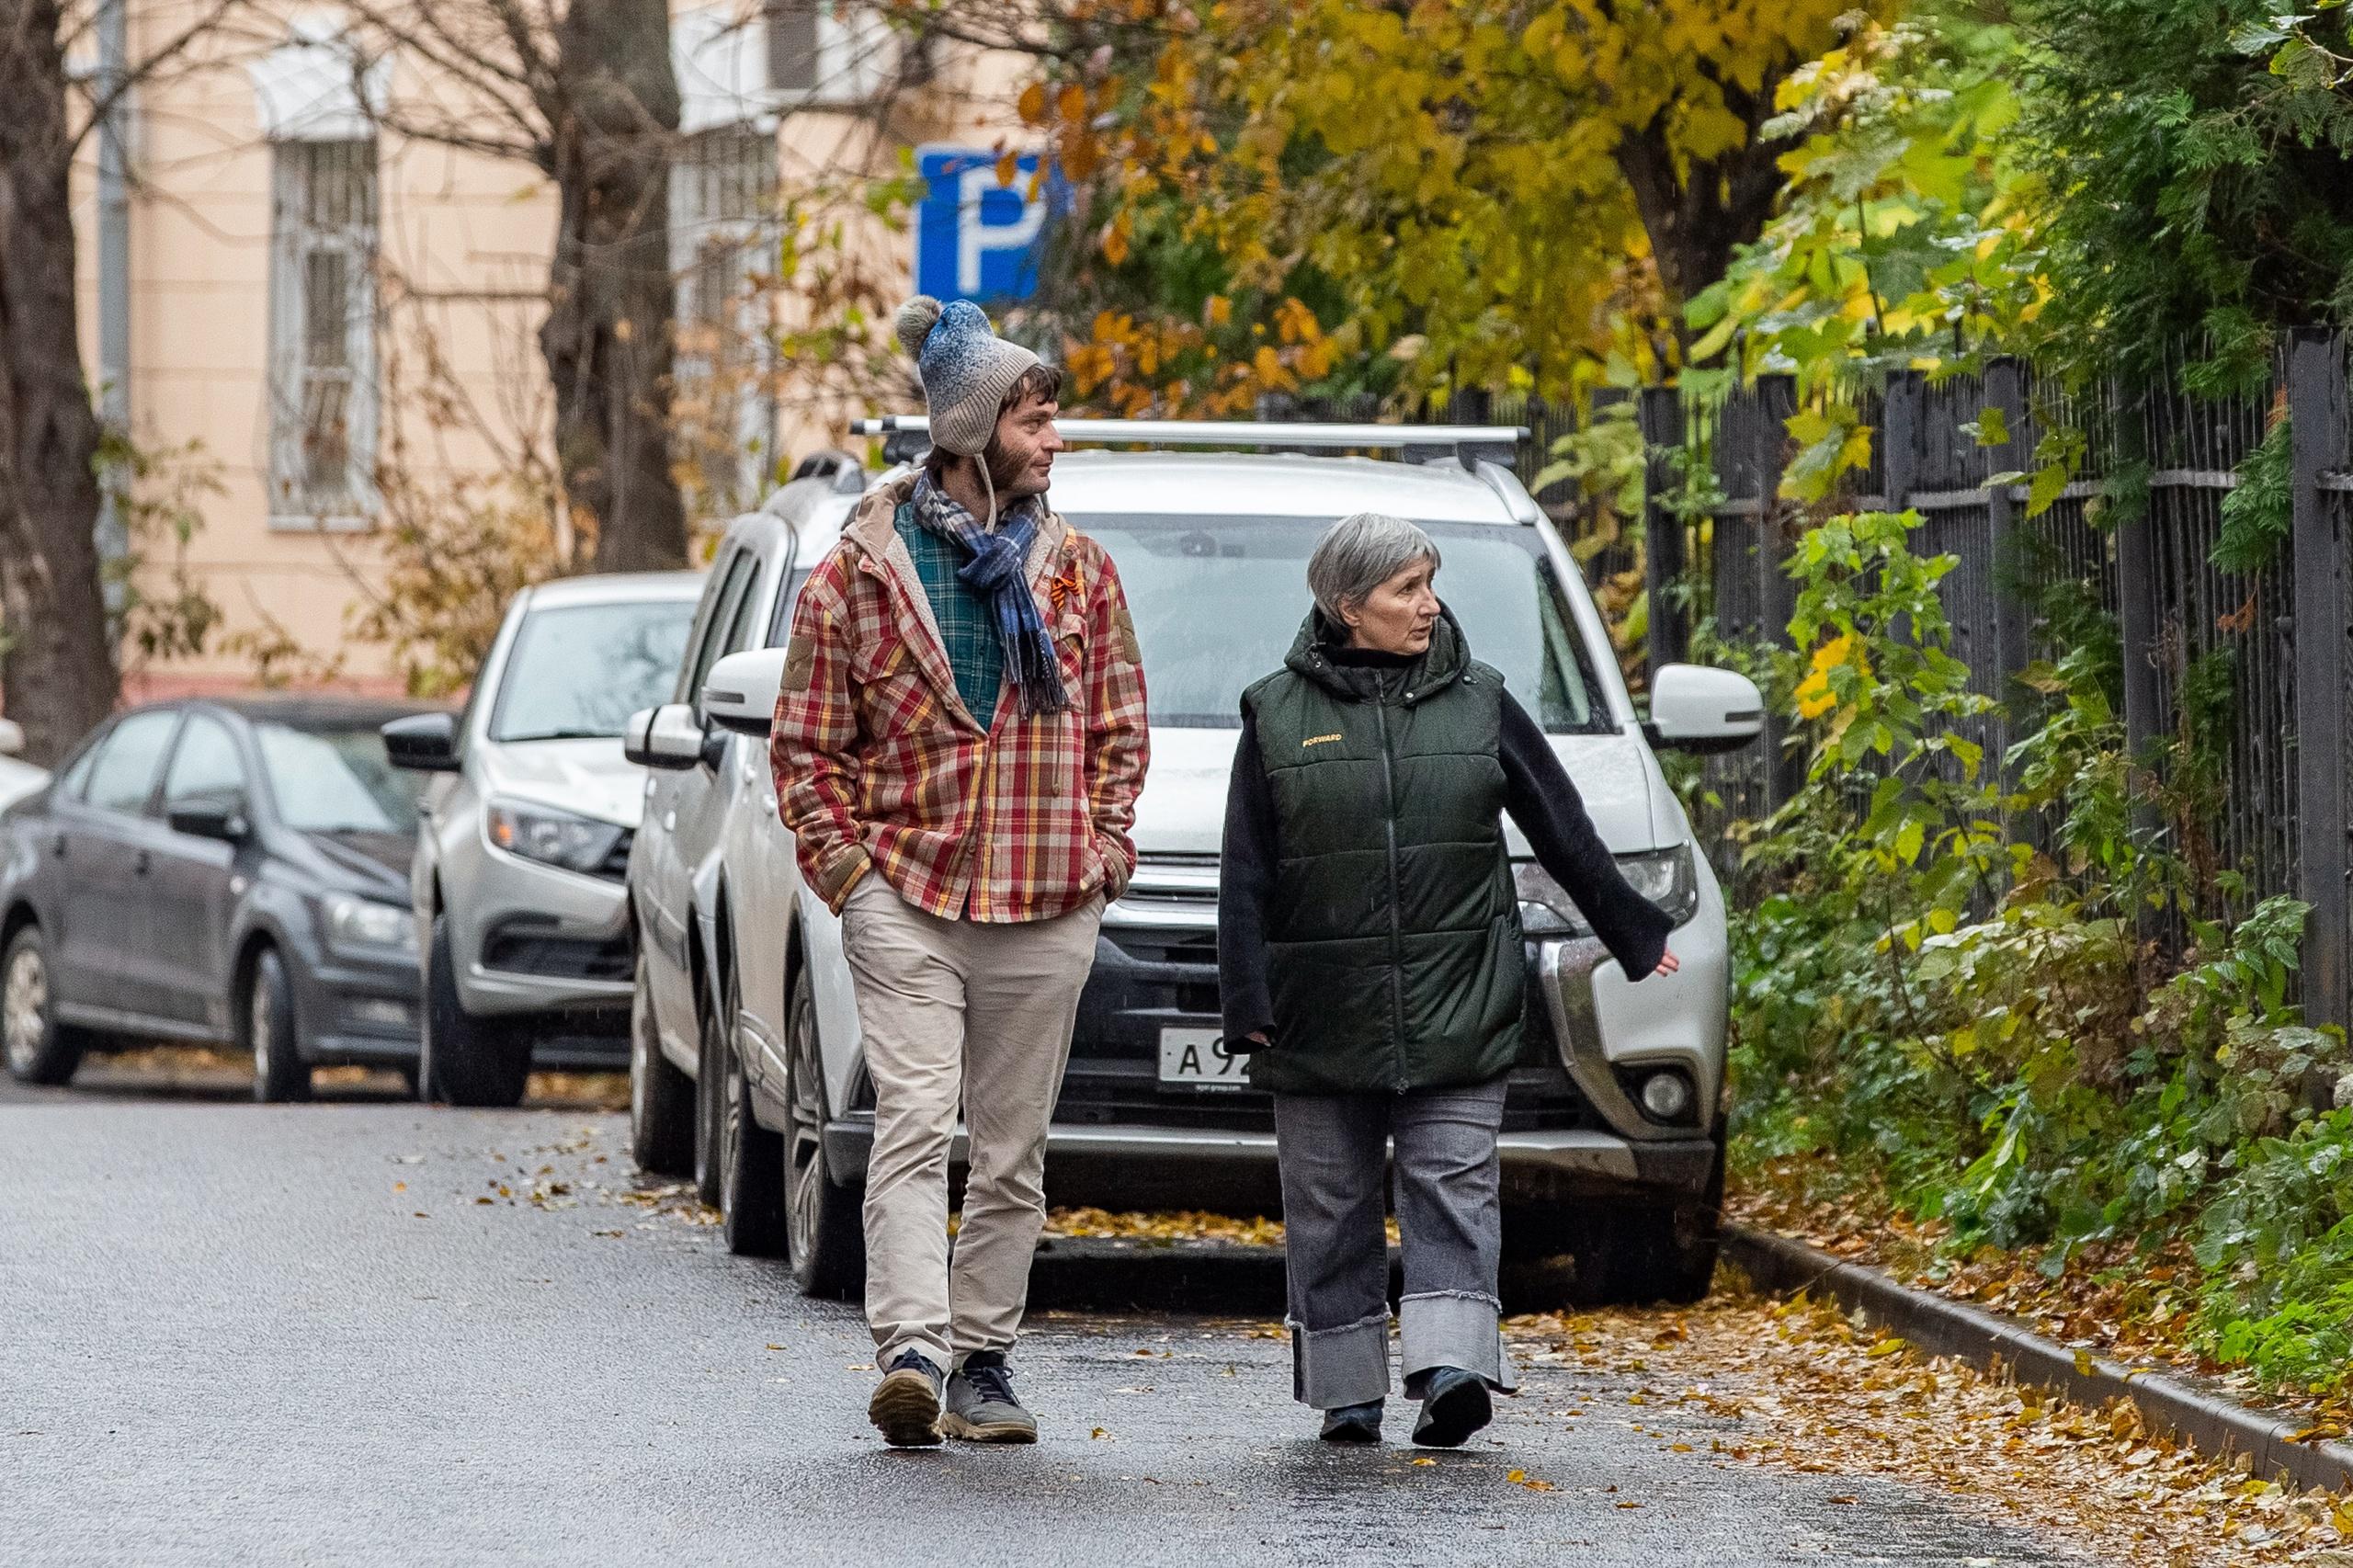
[(1393, 940)]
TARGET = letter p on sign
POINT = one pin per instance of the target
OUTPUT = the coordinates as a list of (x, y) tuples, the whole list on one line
[(975, 238)]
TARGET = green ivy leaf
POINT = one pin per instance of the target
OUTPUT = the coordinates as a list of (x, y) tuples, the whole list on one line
[(2050, 483)]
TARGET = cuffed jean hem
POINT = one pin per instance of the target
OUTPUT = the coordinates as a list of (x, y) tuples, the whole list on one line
[(923, 1346), (1453, 1328), (1337, 1367)]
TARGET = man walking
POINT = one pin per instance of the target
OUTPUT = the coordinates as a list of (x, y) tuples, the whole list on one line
[(958, 746)]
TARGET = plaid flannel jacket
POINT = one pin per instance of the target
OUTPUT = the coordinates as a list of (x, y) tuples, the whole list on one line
[(879, 766)]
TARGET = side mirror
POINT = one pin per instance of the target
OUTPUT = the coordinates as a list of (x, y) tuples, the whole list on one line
[(665, 737), (1695, 709), (216, 817), (423, 742), (739, 693), (12, 738)]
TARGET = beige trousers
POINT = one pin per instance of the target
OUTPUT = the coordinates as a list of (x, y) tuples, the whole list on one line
[(958, 1010)]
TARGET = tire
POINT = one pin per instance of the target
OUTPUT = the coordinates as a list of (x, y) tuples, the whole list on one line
[(273, 1032), (1666, 1252), (661, 1098), (751, 1158), (38, 1047), (463, 1060), (707, 1091), (826, 1235)]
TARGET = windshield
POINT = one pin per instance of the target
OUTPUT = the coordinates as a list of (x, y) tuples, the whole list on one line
[(1216, 601), (336, 781), (578, 673)]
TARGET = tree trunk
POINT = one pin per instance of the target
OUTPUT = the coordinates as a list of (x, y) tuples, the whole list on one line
[(1698, 214), (614, 119), (57, 655)]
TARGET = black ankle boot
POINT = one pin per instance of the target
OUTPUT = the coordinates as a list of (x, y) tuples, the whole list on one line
[(1353, 1424)]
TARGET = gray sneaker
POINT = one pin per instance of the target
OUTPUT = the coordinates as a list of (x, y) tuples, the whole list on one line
[(905, 1406), (982, 1407)]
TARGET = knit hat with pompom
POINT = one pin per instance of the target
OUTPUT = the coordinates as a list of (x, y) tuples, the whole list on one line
[(966, 369)]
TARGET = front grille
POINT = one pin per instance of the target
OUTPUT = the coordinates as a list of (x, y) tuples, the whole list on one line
[(528, 944), (1148, 977), (1155, 944), (1127, 1092)]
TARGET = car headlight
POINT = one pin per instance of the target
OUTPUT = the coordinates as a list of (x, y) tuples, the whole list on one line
[(554, 837), (361, 924), (1666, 877)]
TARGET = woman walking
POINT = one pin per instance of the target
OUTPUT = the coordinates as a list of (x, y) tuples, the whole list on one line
[(1369, 959)]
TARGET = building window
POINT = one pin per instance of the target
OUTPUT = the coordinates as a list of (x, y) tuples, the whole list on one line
[(322, 334), (792, 44), (827, 52), (723, 237)]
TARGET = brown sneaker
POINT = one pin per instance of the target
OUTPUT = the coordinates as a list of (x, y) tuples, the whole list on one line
[(905, 1406)]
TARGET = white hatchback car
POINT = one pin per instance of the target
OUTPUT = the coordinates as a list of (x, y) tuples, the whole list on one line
[(1612, 1144)]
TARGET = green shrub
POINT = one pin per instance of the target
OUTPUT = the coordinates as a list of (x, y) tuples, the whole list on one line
[(1951, 979)]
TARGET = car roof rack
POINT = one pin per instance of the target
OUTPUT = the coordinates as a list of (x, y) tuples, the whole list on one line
[(1466, 444)]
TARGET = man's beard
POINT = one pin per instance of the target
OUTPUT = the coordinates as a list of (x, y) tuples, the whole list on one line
[(1008, 469)]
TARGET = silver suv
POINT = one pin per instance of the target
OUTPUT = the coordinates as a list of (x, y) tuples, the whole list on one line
[(1612, 1142), (523, 839), (714, 891)]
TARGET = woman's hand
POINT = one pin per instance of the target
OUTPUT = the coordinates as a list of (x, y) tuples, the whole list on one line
[(1259, 1036), (1667, 964)]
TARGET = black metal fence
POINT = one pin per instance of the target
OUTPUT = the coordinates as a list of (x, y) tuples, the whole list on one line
[(2249, 674), (2246, 672)]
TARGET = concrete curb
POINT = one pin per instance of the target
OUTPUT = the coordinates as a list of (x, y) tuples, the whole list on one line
[(1942, 1327)]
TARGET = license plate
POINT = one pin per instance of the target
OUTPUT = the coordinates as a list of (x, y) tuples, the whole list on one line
[(1193, 1056)]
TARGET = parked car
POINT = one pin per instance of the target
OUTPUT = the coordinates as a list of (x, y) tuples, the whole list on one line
[(222, 873), (17, 778), (525, 833), (715, 899), (1613, 1133)]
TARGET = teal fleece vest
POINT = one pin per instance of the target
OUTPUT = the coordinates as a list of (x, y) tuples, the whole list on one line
[(1393, 940)]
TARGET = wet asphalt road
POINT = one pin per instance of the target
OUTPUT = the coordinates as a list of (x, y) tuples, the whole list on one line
[(232, 1334)]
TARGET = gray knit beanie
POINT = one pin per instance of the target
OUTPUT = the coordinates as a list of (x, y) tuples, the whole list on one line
[(966, 369)]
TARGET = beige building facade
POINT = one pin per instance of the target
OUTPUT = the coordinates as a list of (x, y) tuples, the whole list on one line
[(317, 302)]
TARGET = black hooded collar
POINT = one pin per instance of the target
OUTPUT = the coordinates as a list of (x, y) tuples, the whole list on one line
[(1446, 661)]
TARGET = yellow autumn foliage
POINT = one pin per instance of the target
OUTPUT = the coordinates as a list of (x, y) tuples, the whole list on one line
[(1531, 189), (1814, 696)]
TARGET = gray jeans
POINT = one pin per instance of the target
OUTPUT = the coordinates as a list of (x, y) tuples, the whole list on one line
[(1334, 1150)]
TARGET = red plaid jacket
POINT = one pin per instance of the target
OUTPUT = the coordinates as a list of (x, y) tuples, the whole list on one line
[(878, 766)]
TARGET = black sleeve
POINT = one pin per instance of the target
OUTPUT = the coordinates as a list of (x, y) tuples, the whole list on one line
[(1541, 799), (1245, 875)]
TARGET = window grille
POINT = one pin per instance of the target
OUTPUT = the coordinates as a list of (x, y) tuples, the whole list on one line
[(723, 238), (323, 337)]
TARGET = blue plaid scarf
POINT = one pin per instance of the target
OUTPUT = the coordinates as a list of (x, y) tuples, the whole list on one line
[(994, 572)]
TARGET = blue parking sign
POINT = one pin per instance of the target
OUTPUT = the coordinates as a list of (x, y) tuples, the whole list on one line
[(975, 238)]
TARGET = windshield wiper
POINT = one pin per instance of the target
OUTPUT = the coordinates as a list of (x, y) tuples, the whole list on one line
[(559, 735)]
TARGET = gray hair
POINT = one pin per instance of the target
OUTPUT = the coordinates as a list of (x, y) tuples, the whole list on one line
[(1358, 554)]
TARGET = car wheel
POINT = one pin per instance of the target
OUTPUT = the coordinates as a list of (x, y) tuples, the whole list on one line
[(751, 1158), (273, 1032), (661, 1098), (39, 1048), (706, 1093), (463, 1060), (824, 1233), (1666, 1252)]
